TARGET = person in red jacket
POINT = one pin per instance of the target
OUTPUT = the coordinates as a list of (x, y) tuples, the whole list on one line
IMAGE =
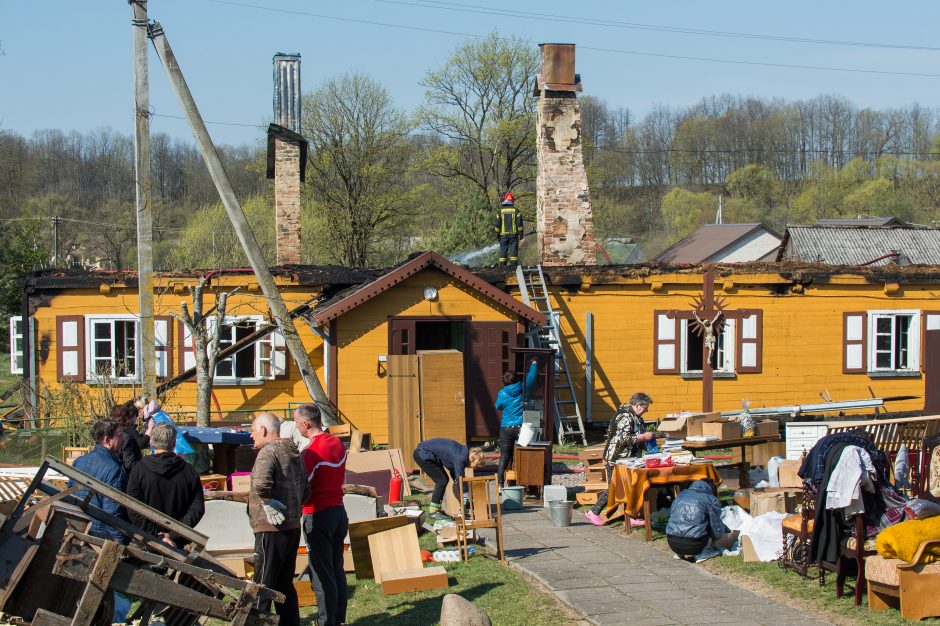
[(324, 517)]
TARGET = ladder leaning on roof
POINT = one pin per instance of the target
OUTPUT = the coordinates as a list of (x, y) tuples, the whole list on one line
[(534, 293)]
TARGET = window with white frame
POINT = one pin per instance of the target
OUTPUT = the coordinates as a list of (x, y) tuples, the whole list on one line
[(17, 331), (263, 359), (722, 358), (112, 347), (881, 342)]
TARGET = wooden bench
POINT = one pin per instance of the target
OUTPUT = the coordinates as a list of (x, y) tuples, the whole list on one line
[(890, 434)]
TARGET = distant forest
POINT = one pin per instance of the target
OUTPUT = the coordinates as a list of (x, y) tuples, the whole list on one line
[(383, 182)]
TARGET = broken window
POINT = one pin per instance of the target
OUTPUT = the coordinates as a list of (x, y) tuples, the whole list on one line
[(894, 342), (113, 348), (17, 330)]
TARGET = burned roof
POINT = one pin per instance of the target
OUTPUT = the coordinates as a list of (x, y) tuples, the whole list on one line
[(861, 245), (709, 241), (862, 221)]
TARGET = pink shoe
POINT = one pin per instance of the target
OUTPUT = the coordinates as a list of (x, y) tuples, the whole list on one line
[(637, 521), (594, 518)]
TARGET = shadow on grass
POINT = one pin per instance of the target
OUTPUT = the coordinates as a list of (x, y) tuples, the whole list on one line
[(425, 610)]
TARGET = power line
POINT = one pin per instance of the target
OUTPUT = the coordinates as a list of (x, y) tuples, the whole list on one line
[(794, 152), (180, 117), (679, 57), (551, 17)]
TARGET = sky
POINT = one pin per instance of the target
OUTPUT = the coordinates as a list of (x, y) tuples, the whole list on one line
[(67, 64)]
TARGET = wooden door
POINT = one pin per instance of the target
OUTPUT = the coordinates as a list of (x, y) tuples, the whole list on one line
[(488, 357), (401, 336), (441, 389), (404, 424)]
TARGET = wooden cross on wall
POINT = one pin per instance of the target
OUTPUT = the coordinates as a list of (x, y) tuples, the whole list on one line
[(708, 315)]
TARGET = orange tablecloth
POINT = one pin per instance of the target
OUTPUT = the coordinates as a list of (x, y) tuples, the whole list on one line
[(628, 486)]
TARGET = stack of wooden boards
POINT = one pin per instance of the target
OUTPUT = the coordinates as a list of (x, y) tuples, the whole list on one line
[(386, 549)]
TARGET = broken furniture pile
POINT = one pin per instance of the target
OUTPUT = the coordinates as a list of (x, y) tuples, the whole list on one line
[(53, 572)]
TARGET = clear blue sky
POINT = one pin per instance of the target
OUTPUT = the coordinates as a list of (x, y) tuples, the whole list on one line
[(67, 63)]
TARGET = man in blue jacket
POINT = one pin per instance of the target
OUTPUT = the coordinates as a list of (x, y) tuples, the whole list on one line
[(695, 521), (509, 401), (103, 463)]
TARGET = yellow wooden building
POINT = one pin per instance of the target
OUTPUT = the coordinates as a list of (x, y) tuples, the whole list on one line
[(792, 333)]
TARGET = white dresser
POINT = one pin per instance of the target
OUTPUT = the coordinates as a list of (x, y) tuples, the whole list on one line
[(802, 436)]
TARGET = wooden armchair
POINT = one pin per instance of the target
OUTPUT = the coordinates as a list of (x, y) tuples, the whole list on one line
[(797, 534), (922, 478), (909, 586), (852, 555), (479, 512)]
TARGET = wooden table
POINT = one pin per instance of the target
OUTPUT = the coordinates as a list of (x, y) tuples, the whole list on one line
[(630, 487), (741, 442)]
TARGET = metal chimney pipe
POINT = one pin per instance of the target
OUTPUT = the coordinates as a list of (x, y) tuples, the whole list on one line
[(287, 91)]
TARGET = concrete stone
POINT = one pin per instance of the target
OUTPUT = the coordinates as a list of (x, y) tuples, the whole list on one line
[(553, 493), (458, 611), (226, 525)]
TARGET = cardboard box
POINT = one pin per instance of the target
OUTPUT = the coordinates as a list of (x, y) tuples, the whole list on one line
[(213, 482), (241, 483), (779, 501), (766, 428), (747, 550), (766, 451), (788, 475), (722, 430), (687, 424)]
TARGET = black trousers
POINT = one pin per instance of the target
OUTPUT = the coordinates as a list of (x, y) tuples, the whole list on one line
[(687, 546), (434, 469), (604, 495), (275, 559), (324, 532), (507, 446), (509, 249)]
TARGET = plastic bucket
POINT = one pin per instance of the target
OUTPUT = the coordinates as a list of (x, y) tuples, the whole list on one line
[(512, 498), (560, 510)]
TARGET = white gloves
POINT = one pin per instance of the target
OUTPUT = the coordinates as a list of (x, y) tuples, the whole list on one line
[(275, 511)]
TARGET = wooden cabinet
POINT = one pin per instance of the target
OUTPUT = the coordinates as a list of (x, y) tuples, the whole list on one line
[(532, 466), (802, 436)]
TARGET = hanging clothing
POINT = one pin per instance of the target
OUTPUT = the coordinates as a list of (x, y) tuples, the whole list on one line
[(852, 473)]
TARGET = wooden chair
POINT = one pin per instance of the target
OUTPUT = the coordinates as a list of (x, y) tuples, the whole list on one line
[(478, 513), (797, 534), (921, 474), (910, 586), (854, 551)]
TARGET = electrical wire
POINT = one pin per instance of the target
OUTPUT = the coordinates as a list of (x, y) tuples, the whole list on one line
[(552, 17), (680, 57), (180, 117)]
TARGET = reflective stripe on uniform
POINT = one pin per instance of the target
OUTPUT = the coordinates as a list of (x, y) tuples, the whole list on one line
[(507, 221)]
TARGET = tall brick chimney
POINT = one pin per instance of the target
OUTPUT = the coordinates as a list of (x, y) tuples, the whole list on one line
[(564, 218), (287, 157)]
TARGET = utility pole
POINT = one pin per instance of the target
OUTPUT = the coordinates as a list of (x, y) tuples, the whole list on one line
[(237, 216), (147, 348)]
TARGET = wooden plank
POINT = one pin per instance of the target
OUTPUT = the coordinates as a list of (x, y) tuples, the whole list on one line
[(98, 581), (404, 422), (394, 551), (46, 618), (441, 385), (305, 594), (359, 540), (418, 579), (15, 558), (375, 460)]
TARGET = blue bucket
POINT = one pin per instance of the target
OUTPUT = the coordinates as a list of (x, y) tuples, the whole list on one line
[(512, 498)]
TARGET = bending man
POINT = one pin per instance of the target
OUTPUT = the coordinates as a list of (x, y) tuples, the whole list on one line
[(439, 457)]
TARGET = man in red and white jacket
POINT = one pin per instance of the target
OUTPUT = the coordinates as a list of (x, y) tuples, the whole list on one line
[(324, 517)]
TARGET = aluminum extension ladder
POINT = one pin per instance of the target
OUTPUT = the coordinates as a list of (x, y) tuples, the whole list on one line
[(568, 422)]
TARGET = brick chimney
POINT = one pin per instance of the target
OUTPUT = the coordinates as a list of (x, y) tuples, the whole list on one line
[(287, 157), (564, 218)]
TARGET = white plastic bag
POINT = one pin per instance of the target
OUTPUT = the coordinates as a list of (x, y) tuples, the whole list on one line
[(734, 516)]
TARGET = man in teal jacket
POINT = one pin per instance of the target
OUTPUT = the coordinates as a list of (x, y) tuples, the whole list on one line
[(509, 401)]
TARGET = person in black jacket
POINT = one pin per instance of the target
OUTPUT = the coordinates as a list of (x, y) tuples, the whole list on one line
[(169, 484), (439, 457), (126, 416)]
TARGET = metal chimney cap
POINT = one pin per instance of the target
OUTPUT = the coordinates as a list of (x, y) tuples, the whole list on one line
[(286, 56)]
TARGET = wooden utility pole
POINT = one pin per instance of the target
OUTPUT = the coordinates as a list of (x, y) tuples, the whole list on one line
[(245, 236), (147, 348)]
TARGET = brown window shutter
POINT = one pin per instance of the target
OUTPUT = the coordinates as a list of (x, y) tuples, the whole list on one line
[(854, 342), (70, 347), (750, 339), (929, 320), (163, 335), (665, 344), (280, 363)]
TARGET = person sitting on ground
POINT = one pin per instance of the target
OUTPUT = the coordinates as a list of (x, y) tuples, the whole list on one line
[(695, 521), (167, 483), (509, 401), (125, 415), (154, 415), (439, 457), (626, 438), (103, 463)]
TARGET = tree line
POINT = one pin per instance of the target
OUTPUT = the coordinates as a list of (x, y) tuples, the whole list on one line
[(383, 182)]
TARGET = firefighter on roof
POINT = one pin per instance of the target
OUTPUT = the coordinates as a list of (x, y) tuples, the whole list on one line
[(509, 231)]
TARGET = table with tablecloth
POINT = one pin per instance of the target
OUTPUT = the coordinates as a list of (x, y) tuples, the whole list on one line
[(629, 487)]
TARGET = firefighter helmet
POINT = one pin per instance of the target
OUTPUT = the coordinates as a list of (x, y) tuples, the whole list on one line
[(509, 199)]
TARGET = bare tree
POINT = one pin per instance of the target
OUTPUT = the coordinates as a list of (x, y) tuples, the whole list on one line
[(206, 340)]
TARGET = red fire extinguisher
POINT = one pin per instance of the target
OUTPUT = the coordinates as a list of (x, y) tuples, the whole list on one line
[(394, 488)]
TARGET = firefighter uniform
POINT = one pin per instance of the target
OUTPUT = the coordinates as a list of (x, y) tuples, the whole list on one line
[(509, 230)]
